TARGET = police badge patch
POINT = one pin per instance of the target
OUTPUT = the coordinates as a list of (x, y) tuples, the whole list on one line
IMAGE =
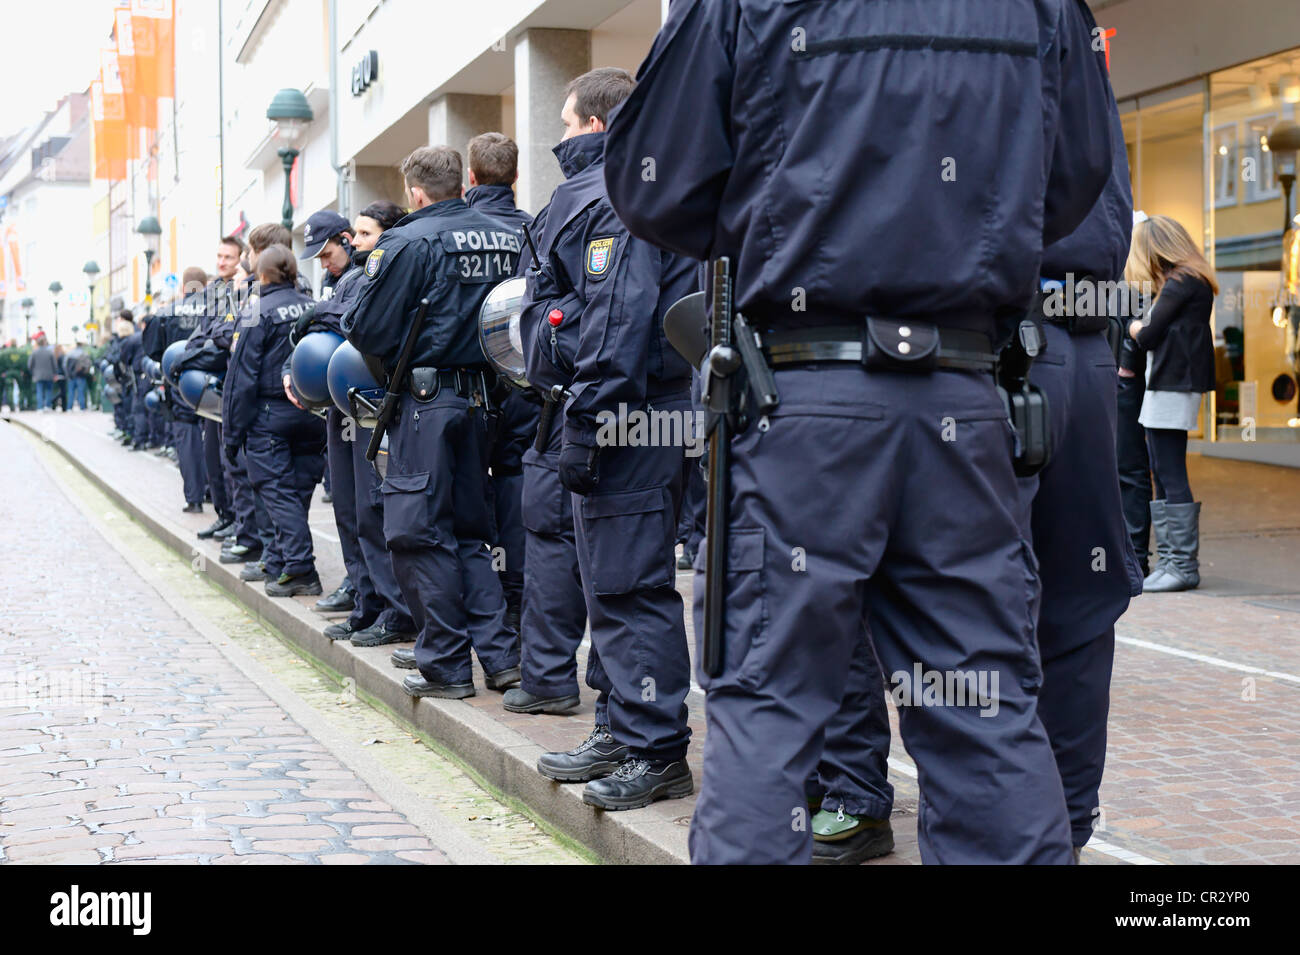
[(598, 255), (372, 263)]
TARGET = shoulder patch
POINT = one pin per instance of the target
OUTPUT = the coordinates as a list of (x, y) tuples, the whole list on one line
[(599, 252), (372, 263)]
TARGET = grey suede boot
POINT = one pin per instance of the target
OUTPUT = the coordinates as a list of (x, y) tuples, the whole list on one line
[(1160, 529), (1182, 572)]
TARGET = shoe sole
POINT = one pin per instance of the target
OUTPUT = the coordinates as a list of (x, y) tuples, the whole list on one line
[(335, 639), (502, 687), (595, 772), (394, 638), (231, 559), (320, 609), (858, 848), (555, 705), (442, 693), (679, 789), (402, 664)]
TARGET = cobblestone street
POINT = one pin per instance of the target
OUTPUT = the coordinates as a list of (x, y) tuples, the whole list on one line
[(144, 717)]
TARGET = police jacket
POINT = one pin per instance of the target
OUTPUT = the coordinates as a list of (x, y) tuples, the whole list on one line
[(260, 349), (1178, 336), (151, 333), (498, 201), (619, 286), (217, 325), (905, 159), (132, 352), (183, 318), (448, 253), (1099, 246)]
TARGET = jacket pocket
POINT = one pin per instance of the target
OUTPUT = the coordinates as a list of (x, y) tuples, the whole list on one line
[(546, 507), (408, 521), (628, 541)]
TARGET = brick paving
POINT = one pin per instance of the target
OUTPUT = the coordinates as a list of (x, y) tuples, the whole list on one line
[(125, 736), (1204, 756)]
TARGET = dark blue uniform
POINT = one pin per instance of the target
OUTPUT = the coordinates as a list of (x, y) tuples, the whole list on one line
[(436, 518), (132, 355), (618, 288), (179, 321), (355, 486), (152, 345), (1085, 555), (514, 427), (218, 302), (283, 444), (554, 606), (905, 162)]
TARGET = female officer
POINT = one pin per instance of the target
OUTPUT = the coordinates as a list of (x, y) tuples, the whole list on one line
[(284, 444)]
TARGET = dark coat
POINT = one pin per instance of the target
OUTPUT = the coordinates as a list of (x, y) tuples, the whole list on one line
[(1179, 338)]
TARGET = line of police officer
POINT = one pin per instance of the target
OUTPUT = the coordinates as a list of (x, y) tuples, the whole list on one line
[(886, 185)]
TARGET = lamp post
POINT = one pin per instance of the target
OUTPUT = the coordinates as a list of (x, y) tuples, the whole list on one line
[(152, 232), (28, 304), (291, 113), (55, 288), (1283, 143), (91, 269)]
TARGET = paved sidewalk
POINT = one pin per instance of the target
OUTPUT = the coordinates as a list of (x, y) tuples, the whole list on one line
[(1204, 755), (128, 736)]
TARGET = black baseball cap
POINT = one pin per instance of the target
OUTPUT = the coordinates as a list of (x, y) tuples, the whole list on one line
[(320, 228)]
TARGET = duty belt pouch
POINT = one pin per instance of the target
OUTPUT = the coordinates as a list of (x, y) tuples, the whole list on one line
[(1028, 412), (424, 383), (890, 345)]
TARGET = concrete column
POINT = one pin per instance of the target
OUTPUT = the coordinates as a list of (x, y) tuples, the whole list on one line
[(456, 118), (373, 183), (545, 61)]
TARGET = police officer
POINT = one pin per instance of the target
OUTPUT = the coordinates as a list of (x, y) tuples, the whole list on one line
[(283, 444), (151, 346), (436, 518), (493, 169), (219, 306), (124, 369), (626, 494), (379, 615), (179, 321), (891, 250), (132, 355), (327, 236)]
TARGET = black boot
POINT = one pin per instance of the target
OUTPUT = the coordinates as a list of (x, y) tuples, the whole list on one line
[(853, 841), (220, 524), (417, 685), (377, 635), (340, 631), (598, 755), (255, 570), (403, 658), (344, 598), (502, 679), (307, 584), (519, 700), (639, 782)]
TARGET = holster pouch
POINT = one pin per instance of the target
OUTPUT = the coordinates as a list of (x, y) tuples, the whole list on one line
[(892, 345), (1028, 412), (424, 383)]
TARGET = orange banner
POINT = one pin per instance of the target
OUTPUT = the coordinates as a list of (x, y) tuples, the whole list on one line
[(153, 26), (140, 105), (108, 137)]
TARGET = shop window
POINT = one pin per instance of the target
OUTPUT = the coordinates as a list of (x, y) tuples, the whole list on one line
[(1225, 166), (1262, 186)]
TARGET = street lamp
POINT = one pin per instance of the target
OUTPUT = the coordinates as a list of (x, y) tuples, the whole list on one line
[(1283, 142), (152, 232), (91, 269), (291, 113), (28, 304), (55, 288)]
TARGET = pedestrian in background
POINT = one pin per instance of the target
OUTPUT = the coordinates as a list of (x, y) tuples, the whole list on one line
[(41, 365), (1179, 343), (78, 367)]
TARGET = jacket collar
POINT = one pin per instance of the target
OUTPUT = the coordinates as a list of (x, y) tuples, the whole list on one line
[(578, 153), (493, 196), (436, 209)]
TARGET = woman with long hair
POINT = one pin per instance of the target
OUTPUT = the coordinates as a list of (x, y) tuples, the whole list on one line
[(1175, 333)]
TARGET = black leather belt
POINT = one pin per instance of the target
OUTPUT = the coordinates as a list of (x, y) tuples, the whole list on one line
[(900, 342)]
